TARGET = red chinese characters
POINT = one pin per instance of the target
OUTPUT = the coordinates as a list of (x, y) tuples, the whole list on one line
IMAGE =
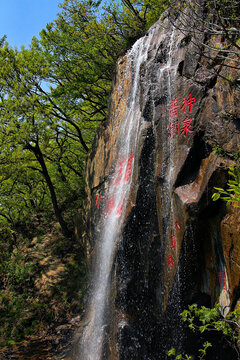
[(187, 126), (174, 108), (173, 242), (222, 280), (174, 128), (98, 200), (119, 208), (176, 225), (170, 261), (129, 169), (111, 207), (188, 103), (121, 170), (121, 175)]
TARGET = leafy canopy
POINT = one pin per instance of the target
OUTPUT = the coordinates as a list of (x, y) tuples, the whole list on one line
[(53, 96)]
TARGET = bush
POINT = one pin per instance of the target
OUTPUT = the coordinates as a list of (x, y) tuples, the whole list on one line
[(232, 194), (206, 319)]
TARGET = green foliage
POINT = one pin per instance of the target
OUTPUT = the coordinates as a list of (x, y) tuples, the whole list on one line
[(172, 352), (133, 17), (237, 156), (210, 319), (217, 150), (39, 160), (232, 194), (203, 351), (53, 96)]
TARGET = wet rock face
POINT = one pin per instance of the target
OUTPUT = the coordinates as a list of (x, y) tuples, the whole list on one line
[(177, 246)]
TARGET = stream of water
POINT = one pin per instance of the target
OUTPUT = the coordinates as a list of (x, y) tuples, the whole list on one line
[(115, 205)]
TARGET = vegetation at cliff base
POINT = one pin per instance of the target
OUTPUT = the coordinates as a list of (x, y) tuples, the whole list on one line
[(232, 193), (202, 320)]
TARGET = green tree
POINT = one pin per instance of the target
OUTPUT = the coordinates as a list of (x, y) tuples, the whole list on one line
[(54, 95), (33, 135), (132, 17)]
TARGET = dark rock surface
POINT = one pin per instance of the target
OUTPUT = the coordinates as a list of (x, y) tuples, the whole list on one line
[(176, 242)]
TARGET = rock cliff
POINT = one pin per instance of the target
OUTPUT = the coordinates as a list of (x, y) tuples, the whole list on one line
[(177, 246)]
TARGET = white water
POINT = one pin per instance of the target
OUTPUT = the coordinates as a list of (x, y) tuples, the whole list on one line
[(167, 77), (111, 223), (168, 74), (171, 73)]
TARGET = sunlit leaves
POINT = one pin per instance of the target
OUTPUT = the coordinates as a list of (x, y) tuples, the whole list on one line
[(55, 94), (205, 319), (232, 193)]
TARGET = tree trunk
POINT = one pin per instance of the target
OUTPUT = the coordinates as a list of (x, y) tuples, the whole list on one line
[(39, 156)]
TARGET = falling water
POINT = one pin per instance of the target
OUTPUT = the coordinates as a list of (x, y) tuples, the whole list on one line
[(167, 77), (91, 347), (171, 73)]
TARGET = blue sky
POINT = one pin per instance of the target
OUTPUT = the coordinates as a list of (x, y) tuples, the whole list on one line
[(20, 20)]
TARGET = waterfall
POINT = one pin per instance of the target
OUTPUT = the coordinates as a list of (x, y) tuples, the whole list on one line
[(111, 221), (167, 77)]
